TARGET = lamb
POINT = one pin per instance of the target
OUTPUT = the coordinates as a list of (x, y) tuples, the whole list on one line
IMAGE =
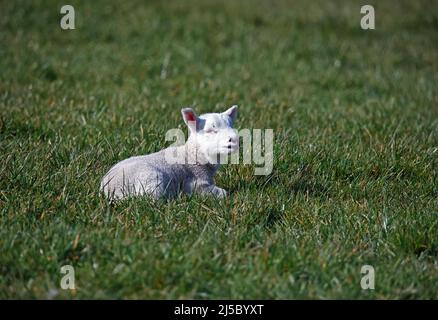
[(158, 175)]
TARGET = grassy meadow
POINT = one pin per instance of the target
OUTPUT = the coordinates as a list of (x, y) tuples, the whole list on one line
[(355, 177)]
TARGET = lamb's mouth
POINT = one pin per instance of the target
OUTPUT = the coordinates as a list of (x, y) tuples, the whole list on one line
[(232, 148)]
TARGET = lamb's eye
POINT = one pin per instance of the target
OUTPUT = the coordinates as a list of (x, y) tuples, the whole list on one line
[(210, 130)]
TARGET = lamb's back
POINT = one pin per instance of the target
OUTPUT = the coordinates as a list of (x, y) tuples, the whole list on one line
[(143, 174)]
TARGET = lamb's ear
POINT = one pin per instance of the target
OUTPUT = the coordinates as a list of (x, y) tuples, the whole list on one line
[(232, 113), (190, 118)]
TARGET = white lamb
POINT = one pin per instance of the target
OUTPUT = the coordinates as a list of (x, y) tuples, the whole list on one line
[(210, 136)]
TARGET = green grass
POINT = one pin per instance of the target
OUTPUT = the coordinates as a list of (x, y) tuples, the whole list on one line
[(355, 116)]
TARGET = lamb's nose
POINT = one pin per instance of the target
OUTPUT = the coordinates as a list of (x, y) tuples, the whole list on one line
[(233, 139)]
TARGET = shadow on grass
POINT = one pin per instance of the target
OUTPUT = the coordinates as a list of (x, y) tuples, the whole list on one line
[(303, 181)]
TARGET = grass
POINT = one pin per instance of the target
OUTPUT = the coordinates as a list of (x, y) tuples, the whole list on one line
[(355, 156)]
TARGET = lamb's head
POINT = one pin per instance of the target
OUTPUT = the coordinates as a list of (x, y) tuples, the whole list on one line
[(213, 132)]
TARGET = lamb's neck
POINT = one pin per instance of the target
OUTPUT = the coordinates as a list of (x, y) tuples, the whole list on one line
[(198, 159)]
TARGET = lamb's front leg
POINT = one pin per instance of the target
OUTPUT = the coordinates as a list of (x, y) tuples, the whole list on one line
[(218, 192), (211, 189)]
